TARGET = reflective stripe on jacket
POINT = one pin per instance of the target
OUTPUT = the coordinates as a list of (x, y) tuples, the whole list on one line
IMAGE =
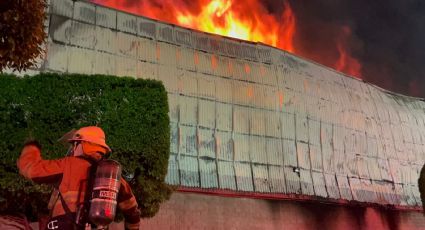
[(71, 173)]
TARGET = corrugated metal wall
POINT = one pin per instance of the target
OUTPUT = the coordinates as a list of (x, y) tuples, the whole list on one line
[(248, 117)]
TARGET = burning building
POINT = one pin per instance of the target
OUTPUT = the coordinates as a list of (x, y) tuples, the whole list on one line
[(315, 147)]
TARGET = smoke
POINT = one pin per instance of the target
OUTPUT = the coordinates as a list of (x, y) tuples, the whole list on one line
[(387, 38)]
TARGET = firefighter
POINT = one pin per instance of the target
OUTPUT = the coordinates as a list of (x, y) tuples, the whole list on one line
[(71, 175)]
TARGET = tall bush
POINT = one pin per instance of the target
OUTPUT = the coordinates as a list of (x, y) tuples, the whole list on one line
[(133, 113)]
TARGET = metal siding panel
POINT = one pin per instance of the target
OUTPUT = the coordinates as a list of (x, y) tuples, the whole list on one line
[(223, 89), (316, 158), (340, 162), (344, 187), (224, 117), (257, 122), (226, 175), (328, 160), (167, 54), (188, 140), (126, 22), (258, 95), (373, 168), (270, 98), (188, 110), (240, 93), (208, 172), (273, 128), (174, 137), (332, 186), (306, 182), (301, 128), (146, 28), (241, 119), (173, 171), (206, 142), (207, 113), (106, 17), (289, 153), (127, 45), (206, 86), (148, 50), (274, 151), (288, 125), (319, 184), (58, 57), (224, 67), (165, 32), (241, 147), (243, 176), (204, 65), (104, 64), (264, 53), (362, 167), (59, 29), (277, 179), (62, 7), (168, 76), (85, 12), (267, 75), (395, 170), (303, 155), (257, 149), (351, 164), (189, 171), (409, 196), (106, 40), (326, 135), (188, 82), (261, 178), (183, 36), (147, 70), (126, 67), (80, 60), (356, 189), (224, 144), (292, 181)]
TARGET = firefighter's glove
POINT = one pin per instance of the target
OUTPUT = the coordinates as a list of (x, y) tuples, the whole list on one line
[(33, 143)]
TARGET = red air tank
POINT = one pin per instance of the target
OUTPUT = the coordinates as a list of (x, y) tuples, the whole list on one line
[(105, 191)]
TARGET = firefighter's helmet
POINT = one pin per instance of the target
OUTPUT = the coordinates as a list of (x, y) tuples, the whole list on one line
[(92, 134)]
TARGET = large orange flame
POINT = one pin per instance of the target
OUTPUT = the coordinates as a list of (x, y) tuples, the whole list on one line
[(247, 20)]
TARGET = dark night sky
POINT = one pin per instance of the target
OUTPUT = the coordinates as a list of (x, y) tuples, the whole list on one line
[(388, 37)]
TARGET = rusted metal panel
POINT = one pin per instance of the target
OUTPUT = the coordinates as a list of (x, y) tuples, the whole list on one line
[(276, 179), (189, 171), (260, 177), (226, 175), (319, 184), (173, 176), (146, 28), (208, 173), (244, 176), (183, 36)]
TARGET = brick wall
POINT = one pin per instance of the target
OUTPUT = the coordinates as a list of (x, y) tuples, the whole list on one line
[(198, 211)]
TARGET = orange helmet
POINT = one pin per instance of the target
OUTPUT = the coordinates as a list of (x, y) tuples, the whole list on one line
[(92, 134)]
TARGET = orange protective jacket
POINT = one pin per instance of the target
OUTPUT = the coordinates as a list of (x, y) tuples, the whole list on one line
[(71, 174)]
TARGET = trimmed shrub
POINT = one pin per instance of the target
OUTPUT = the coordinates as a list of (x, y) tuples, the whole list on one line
[(133, 114)]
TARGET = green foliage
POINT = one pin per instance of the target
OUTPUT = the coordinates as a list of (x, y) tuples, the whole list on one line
[(421, 185), (133, 114)]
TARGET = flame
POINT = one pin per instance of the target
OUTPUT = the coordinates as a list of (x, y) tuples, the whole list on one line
[(346, 63), (247, 20)]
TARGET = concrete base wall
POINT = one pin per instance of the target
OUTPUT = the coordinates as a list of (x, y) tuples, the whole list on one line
[(198, 211)]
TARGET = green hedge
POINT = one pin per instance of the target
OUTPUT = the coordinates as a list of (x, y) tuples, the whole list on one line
[(133, 114)]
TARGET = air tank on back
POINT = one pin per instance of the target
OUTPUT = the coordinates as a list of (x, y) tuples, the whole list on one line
[(105, 191)]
